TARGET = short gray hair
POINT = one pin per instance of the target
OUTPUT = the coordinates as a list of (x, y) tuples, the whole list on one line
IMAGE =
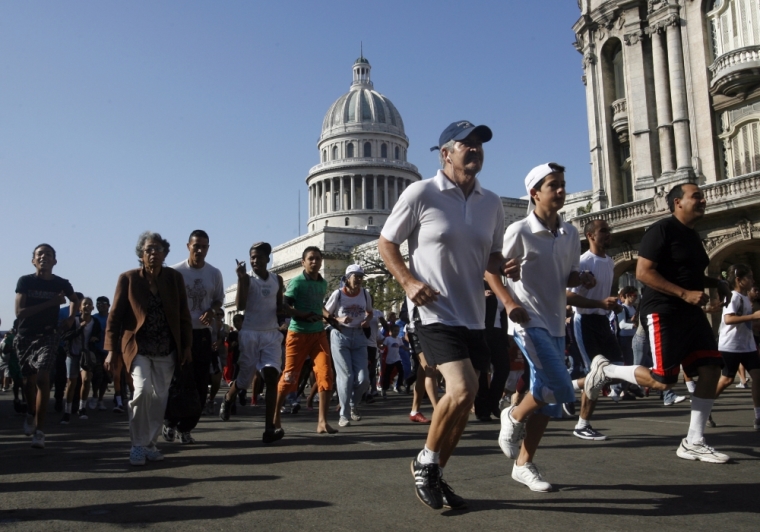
[(449, 146), (149, 235)]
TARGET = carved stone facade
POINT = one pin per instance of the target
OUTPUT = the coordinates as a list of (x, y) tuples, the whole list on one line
[(674, 97)]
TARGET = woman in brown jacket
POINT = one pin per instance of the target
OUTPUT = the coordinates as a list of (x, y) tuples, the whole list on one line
[(150, 329)]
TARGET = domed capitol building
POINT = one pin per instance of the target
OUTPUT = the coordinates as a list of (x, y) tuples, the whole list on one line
[(362, 172)]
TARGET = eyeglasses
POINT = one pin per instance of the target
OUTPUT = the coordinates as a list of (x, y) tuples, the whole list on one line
[(153, 249)]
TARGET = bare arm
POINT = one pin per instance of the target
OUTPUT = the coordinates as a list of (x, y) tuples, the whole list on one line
[(241, 297), (420, 293), (579, 301), (733, 319), (646, 272), (22, 311), (515, 312)]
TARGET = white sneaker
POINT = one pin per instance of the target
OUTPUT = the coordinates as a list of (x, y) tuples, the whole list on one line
[(699, 450), (528, 474), (344, 422), (29, 425), (153, 454), (38, 440), (742, 385), (92, 402), (595, 379), (511, 435), (355, 416)]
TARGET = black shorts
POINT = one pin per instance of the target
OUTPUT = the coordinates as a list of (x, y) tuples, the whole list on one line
[(598, 338), (680, 340), (445, 343), (750, 361)]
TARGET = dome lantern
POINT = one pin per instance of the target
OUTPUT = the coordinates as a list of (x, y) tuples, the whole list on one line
[(361, 72)]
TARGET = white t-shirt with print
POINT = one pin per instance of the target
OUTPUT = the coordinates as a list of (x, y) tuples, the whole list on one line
[(737, 338), (203, 287), (392, 344), (356, 307)]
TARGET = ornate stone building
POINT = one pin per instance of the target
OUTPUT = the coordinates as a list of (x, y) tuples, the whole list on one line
[(673, 96)]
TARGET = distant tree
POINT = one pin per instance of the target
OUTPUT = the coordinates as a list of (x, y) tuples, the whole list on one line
[(386, 292)]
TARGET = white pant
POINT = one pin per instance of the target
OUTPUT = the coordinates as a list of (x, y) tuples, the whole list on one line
[(152, 377)]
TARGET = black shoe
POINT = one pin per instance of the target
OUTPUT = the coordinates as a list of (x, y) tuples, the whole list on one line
[(224, 410), (636, 390), (271, 436), (295, 408), (569, 409), (59, 405), (65, 419), (427, 484), (451, 499), (710, 423)]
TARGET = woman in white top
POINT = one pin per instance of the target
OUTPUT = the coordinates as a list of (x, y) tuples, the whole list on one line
[(736, 342), (351, 307)]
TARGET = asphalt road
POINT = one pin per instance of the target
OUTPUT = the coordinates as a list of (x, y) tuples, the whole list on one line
[(359, 479)]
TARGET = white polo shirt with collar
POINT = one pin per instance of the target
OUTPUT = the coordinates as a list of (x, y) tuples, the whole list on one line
[(546, 262), (450, 240)]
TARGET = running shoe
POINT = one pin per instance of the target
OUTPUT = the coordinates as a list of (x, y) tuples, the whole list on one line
[(451, 499), (595, 379), (344, 422), (186, 438), (427, 483), (225, 408), (38, 440), (710, 423), (92, 402), (65, 419), (569, 409), (29, 425), (271, 436), (699, 450), (511, 435), (137, 455), (153, 454), (118, 409), (295, 408), (588, 433), (169, 433), (742, 385), (418, 418), (355, 416), (101, 406), (674, 400), (82, 413), (529, 475)]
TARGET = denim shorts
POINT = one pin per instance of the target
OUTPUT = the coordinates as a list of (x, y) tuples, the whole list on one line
[(72, 367), (549, 380)]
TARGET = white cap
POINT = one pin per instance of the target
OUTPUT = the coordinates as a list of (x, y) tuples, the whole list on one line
[(533, 177), (354, 268)]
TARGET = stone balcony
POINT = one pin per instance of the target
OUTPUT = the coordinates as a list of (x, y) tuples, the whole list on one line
[(735, 72), (620, 119), (358, 162), (727, 194)]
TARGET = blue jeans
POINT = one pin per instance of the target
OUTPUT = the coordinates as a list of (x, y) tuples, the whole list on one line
[(349, 352)]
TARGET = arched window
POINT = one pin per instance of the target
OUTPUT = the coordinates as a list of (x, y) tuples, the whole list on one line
[(345, 222), (350, 150), (369, 221), (617, 68), (735, 24), (384, 150), (367, 149), (335, 153), (396, 153)]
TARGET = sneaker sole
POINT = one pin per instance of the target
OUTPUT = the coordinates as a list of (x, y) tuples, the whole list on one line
[(590, 438), (136, 463), (706, 458), (596, 365), (411, 467)]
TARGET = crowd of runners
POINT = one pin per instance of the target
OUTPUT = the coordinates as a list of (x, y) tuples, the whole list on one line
[(512, 324)]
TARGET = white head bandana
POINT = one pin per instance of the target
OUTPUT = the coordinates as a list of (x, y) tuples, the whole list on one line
[(533, 177)]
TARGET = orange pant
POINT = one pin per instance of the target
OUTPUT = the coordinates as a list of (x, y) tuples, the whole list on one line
[(300, 346)]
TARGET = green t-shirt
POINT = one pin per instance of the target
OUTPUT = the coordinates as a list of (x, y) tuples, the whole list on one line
[(306, 295)]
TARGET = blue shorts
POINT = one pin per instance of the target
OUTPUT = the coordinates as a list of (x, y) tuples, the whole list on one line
[(549, 380)]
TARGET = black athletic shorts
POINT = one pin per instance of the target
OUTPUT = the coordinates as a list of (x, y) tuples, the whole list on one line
[(750, 361), (680, 340), (598, 338), (445, 343)]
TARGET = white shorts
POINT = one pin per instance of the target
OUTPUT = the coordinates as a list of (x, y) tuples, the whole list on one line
[(258, 349)]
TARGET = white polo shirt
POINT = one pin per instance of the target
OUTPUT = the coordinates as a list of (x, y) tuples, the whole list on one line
[(546, 262), (603, 269), (450, 240)]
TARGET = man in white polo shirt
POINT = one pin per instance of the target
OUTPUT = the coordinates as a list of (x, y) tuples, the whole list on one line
[(454, 229), (549, 252)]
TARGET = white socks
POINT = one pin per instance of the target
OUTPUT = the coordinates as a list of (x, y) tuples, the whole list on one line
[(700, 411), (624, 373), (582, 423), (575, 386), (413, 413), (427, 456), (67, 408), (691, 386), (82, 405)]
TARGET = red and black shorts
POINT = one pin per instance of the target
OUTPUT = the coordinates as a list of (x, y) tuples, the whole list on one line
[(680, 340)]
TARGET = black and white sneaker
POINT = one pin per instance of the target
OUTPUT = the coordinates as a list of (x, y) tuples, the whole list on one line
[(595, 378), (588, 433), (427, 483), (699, 450), (169, 433), (451, 499), (225, 409), (569, 409)]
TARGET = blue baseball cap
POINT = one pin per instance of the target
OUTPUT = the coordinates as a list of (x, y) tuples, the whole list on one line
[(460, 130)]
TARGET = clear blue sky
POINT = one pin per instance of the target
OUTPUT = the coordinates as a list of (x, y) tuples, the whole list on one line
[(117, 117)]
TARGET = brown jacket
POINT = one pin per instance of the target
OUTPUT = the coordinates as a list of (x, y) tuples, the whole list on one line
[(130, 303)]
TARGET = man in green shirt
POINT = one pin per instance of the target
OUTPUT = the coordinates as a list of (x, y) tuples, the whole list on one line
[(307, 338)]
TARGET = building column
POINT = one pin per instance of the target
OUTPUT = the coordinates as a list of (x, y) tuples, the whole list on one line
[(662, 97), (678, 96), (374, 192), (385, 192), (352, 188), (395, 191), (341, 200), (364, 192)]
